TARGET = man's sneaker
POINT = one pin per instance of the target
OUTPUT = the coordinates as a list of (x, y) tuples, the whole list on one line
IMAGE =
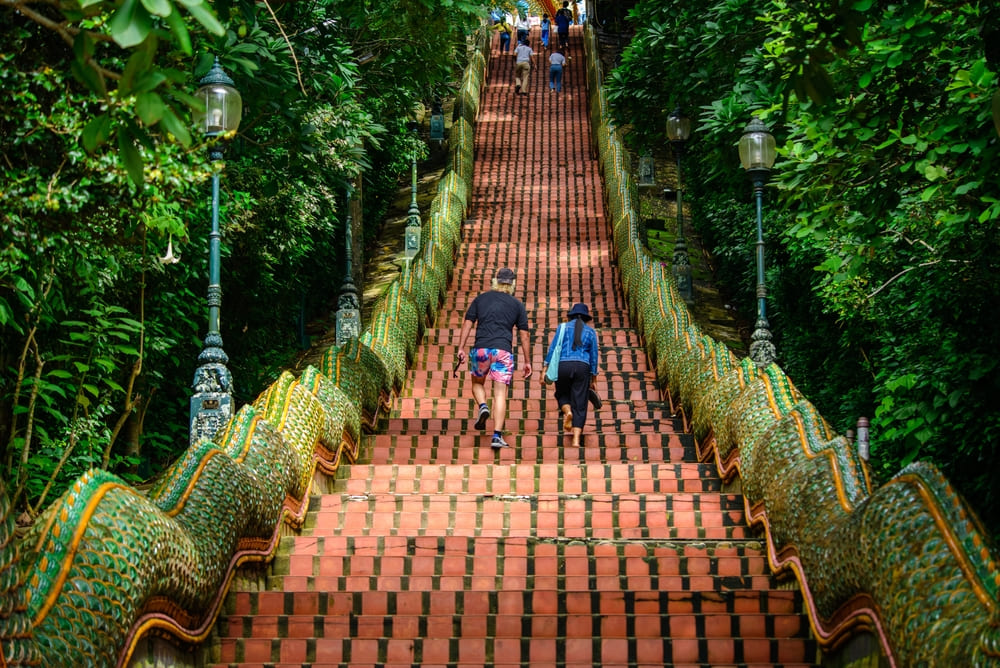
[(484, 415), (499, 443)]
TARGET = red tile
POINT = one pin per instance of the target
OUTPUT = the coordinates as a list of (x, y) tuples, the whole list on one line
[(614, 650), (257, 650), (720, 650), (507, 651), (294, 651)]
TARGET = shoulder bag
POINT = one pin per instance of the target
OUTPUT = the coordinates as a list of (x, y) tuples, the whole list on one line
[(552, 372)]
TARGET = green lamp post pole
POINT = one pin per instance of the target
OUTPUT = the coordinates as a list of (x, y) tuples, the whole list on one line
[(678, 131), (411, 237), (757, 153), (211, 403), (348, 304)]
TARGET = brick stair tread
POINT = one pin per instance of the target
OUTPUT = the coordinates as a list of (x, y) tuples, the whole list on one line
[(581, 623), (441, 367), (650, 501), (518, 409), (528, 478), (444, 525), (484, 453), (572, 652), (630, 515), (740, 601), (671, 556), (522, 394), (522, 564), (611, 430)]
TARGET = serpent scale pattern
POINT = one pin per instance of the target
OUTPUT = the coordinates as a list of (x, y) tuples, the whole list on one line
[(907, 561), (106, 564), (342, 429)]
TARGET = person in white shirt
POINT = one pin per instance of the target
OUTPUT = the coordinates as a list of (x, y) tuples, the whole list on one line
[(523, 27), (522, 67), (557, 61)]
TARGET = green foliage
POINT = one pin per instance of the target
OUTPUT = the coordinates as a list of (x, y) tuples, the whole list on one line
[(880, 222), (106, 203)]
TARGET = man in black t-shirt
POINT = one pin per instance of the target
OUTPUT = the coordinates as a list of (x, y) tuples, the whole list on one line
[(495, 314)]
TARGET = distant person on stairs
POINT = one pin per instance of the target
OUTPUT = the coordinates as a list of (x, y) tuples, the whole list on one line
[(522, 67), (523, 27), (505, 31), (495, 313), (557, 61), (579, 357), (563, 18)]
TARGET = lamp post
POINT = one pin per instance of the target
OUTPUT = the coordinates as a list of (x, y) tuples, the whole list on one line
[(348, 304), (411, 237), (757, 153), (678, 131), (212, 401)]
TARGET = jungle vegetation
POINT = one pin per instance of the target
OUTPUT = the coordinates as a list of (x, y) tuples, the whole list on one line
[(881, 215), (105, 203)]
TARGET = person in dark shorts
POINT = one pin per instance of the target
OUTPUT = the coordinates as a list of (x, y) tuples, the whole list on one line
[(494, 314)]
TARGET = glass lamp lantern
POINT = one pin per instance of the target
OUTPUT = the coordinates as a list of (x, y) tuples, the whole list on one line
[(223, 103), (678, 126), (757, 150)]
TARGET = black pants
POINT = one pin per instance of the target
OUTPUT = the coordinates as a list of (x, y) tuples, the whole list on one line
[(571, 388)]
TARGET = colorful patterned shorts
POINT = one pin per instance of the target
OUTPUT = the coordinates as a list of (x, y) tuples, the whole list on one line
[(497, 364)]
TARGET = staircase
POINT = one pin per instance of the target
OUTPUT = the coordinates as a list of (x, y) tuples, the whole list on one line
[(439, 551)]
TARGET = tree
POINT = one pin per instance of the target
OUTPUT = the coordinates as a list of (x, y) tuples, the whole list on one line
[(105, 189), (883, 244)]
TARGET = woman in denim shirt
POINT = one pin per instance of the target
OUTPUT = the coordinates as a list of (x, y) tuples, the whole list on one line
[(578, 361)]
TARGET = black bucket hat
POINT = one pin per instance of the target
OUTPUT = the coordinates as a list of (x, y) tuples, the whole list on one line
[(579, 310)]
